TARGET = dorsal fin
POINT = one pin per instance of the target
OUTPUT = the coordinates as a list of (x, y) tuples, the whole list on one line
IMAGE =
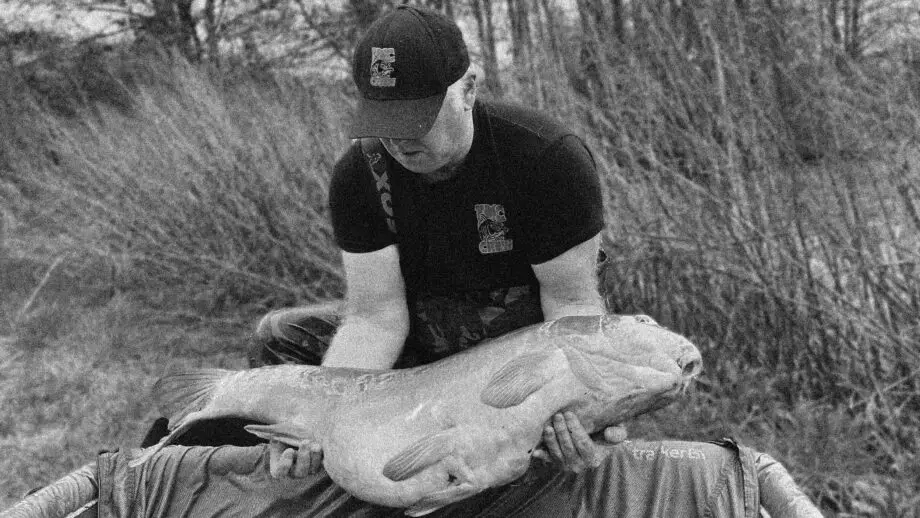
[(516, 380), (180, 394), (423, 453)]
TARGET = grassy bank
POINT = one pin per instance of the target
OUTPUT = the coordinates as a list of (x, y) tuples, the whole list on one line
[(149, 232)]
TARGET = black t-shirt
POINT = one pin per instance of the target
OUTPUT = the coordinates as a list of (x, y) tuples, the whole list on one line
[(527, 191)]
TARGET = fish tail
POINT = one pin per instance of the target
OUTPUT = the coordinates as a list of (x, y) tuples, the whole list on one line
[(181, 397), (180, 394)]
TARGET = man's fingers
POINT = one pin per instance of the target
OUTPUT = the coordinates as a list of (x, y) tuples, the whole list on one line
[(571, 456), (275, 449), (541, 453), (568, 442), (287, 462), (281, 458), (564, 436), (615, 434), (550, 442), (301, 465), (585, 449), (316, 459)]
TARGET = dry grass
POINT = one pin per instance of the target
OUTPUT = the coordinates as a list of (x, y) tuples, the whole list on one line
[(245, 162), (75, 373), (195, 203)]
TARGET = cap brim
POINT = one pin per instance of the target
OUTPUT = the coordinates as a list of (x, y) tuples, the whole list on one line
[(403, 119)]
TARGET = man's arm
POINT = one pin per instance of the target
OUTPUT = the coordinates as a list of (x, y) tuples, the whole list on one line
[(568, 286), (371, 336), (568, 282), (376, 319)]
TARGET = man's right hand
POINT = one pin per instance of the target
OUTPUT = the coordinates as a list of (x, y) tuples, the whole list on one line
[(287, 462)]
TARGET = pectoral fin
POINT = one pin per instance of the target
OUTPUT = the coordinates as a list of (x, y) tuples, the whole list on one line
[(419, 456), (287, 433), (516, 380)]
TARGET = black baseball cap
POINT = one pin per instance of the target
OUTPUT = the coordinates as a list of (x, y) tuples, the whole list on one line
[(402, 67)]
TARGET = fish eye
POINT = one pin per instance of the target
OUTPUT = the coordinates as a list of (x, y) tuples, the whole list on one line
[(645, 319)]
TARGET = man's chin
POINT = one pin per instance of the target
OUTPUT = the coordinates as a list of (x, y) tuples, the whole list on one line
[(417, 165)]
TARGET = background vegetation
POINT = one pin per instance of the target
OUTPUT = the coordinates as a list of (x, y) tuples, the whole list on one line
[(162, 190)]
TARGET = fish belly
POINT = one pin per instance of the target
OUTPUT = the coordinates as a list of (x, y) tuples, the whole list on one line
[(440, 437)]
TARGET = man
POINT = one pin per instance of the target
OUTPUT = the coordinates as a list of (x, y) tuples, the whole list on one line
[(459, 220)]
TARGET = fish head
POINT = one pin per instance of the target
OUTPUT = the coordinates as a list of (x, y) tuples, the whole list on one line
[(627, 364)]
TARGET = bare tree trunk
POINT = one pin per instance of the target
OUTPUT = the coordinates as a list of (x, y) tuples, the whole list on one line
[(172, 23), (521, 41), (619, 20), (522, 48), (823, 32), (853, 44), (846, 24), (552, 35), (365, 11), (482, 11), (212, 29), (832, 22), (593, 47), (186, 23), (445, 6)]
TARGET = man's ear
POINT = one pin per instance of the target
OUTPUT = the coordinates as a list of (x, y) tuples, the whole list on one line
[(470, 90), (470, 87)]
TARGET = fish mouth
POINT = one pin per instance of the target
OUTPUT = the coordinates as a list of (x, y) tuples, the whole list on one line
[(690, 364)]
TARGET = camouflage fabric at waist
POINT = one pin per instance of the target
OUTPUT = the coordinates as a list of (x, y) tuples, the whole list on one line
[(442, 325)]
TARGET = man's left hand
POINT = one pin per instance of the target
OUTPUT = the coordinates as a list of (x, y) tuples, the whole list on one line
[(568, 443)]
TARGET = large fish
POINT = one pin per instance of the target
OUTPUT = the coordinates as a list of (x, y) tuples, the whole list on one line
[(424, 437)]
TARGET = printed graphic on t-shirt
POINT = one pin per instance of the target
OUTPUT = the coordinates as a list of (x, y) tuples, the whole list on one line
[(382, 60), (490, 218), (382, 183)]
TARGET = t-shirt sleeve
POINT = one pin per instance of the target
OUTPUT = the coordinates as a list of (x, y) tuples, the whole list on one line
[(563, 200), (358, 223)]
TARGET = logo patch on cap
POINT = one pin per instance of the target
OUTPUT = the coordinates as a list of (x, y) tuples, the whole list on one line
[(382, 60)]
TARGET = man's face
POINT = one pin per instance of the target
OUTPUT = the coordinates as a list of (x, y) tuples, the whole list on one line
[(448, 141)]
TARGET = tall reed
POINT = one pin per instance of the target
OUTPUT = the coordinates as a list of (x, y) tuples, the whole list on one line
[(764, 203)]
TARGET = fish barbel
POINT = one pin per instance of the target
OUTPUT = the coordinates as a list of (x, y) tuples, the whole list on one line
[(425, 437)]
